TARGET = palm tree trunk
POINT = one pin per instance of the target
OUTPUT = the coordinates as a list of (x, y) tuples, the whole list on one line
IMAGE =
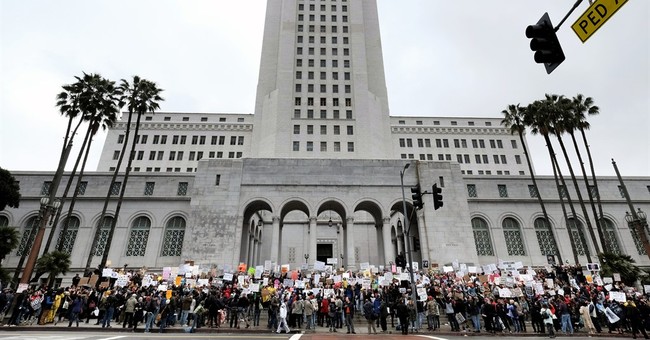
[(65, 192), (568, 198), (539, 194), (67, 133), (122, 191), (559, 192), (593, 178), (599, 227), (98, 228), (64, 230), (581, 201)]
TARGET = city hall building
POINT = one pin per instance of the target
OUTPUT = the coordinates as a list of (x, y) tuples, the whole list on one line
[(315, 173)]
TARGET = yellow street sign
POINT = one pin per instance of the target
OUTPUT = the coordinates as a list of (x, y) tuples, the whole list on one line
[(595, 17)]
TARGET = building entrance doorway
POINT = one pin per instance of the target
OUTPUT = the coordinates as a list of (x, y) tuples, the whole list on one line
[(324, 251)]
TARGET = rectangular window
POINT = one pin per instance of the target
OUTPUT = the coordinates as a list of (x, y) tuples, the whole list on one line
[(485, 159), (222, 140), (459, 158), (160, 155), (517, 159), (310, 146), (350, 146), (499, 144), (115, 189), (337, 130), (240, 140), (409, 142), (594, 192), (296, 146), (481, 143), (504, 160), (477, 158), (152, 155), (179, 156), (195, 140), (156, 139), (192, 154), (467, 159), (503, 190), (213, 140), (427, 142), (337, 146), (211, 154), (148, 188), (116, 154), (350, 129), (175, 140), (182, 189), (172, 155), (310, 129), (513, 143), (202, 140), (296, 129), (140, 155), (532, 190), (621, 191), (445, 143), (163, 139), (217, 180), (323, 146), (199, 155), (420, 143), (233, 140), (183, 139), (496, 159), (463, 143), (323, 129), (456, 143), (474, 143), (120, 139)]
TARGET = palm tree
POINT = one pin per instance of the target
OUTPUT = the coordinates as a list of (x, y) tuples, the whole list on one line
[(99, 105), (10, 239), (563, 123), (54, 263), (582, 106), (514, 120), (542, 114), (96, 100), (141, 96)]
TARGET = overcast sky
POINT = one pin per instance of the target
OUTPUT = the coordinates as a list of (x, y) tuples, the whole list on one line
[(442, 58)]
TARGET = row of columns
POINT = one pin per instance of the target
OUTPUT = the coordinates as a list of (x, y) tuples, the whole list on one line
[(349, 244)]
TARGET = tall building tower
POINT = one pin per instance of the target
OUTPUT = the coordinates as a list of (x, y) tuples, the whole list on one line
[(321, 90)]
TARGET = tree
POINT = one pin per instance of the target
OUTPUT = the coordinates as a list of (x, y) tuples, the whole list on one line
[(99, 105), (582, 106), (540, 116), (563, 123), (9, 190), (55, 263), (621, 264), (514, 117), (141, 96)]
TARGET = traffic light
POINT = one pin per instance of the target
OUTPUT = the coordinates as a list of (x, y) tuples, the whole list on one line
[(417, 197), (416, 244), (437, 197), (545, 44)]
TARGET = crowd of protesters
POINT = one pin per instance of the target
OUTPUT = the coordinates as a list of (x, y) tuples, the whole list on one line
[(444, 301)]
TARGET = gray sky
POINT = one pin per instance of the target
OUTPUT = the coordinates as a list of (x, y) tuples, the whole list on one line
[(442, 58)]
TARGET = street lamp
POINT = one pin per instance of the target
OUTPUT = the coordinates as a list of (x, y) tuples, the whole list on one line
[(47, 209), (306, 258), (406, 231), (638, 220)]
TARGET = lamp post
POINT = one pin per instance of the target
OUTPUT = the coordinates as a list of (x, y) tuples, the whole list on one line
[(638, 220), (47, 209), (406, 231), (306, 258), (341, 256)]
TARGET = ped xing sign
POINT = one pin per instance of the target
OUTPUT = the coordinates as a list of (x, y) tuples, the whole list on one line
[(595, 17)]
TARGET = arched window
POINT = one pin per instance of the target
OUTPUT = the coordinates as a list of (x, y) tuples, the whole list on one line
[(482, 237), (70, 234), (27, 240), (512, 234), (4, 221), (102, 239), (174, 235), (609, 233), (139, 236), (577, 237), (547, 244)]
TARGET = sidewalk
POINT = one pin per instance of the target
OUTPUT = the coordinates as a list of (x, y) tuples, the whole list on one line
[(360, 326)]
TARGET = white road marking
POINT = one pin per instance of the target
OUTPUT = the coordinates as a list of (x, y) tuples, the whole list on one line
[(295, 337), (113, 338), (432, 337)]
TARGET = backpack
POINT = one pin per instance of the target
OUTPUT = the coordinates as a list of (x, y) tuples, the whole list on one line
[(546, 314)]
